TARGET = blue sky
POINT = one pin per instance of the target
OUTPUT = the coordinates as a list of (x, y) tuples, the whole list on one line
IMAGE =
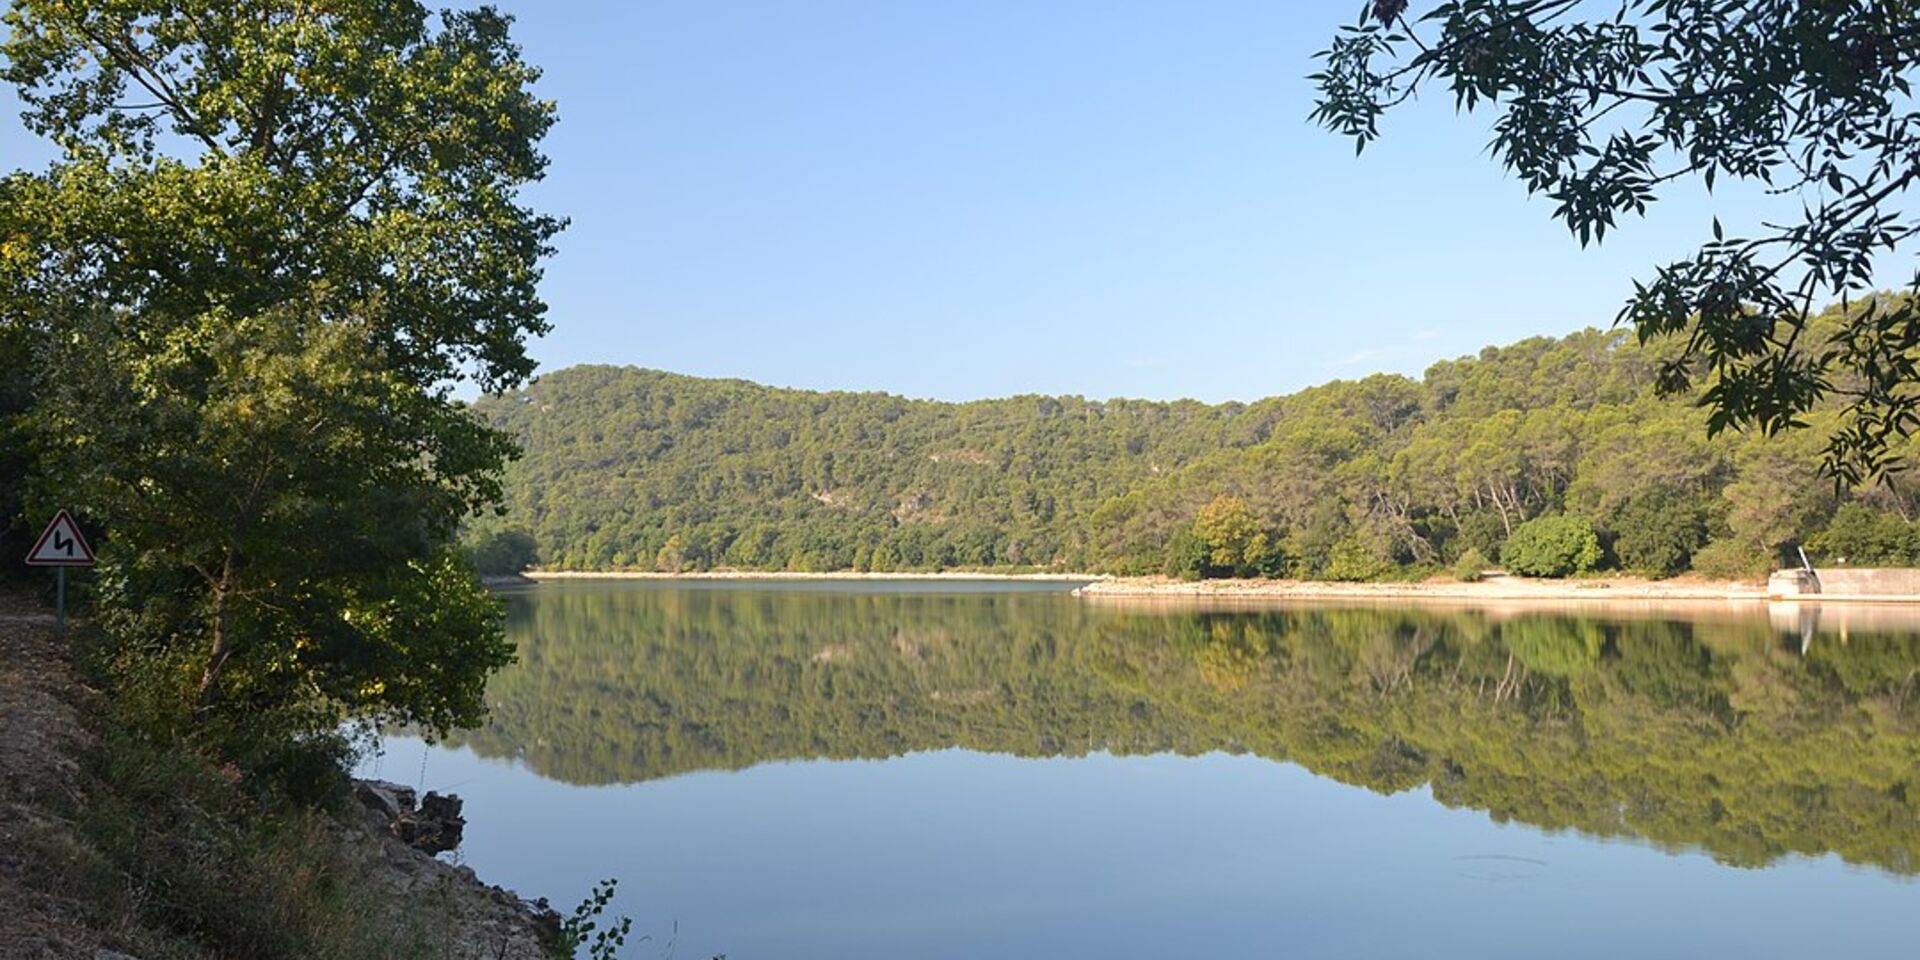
[(976, 199)]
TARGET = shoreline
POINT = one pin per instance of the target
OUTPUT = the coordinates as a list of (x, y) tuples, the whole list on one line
[(1495, 588), (1492, 588), (537, 576)]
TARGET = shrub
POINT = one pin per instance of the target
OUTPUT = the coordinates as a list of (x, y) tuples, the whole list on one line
[(498, 553), (1186, 557), (1862, 535), (1470, 566), (1657, 533), (1355, 559), (1553, 546), (1728, 560)]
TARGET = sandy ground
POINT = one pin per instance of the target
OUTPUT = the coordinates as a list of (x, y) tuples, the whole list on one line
[(1495, 587), (539, 575)]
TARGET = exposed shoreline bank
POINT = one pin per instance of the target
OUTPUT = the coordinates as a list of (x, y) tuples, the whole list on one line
[(538, 576), (1496, 588), (1493, 588), (95, 819)]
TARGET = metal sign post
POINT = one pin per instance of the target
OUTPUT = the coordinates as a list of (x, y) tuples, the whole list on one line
[(61, 546)]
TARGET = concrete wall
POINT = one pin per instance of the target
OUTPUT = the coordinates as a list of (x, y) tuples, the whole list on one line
[(1869, 581)]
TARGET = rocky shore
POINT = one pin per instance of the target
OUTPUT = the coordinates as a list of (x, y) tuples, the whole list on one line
[(75, 886), (396, 842)]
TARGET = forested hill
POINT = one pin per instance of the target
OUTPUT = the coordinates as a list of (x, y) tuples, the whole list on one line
[(1384, 476)]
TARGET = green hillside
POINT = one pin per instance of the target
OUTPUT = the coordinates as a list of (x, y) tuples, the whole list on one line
[(1380, 477)]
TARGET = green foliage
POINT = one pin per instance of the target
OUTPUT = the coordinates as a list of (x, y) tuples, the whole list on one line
[(672, 557), (759, 478), (1552, 546), (501, 551), (1657, 533), (1863, 536), (1355, 558), (1187, 557), (1382, 477), (256, 280), (1232, 541), (1470, 566), (178, 859), (582, 929), (1787, 95), (1729, 560)]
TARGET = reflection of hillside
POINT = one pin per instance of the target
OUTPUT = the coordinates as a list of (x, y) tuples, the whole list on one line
[(1712, 734), (628, 685)]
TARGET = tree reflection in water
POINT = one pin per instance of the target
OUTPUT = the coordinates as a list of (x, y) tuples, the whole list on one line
[(1747, 735)]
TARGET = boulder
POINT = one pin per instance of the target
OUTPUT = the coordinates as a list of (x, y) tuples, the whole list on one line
[(434, 826)]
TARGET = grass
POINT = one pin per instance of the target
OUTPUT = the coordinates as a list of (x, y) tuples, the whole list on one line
[(110, 838)]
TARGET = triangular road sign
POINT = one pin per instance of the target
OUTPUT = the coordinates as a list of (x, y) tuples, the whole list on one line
[(61, 545)]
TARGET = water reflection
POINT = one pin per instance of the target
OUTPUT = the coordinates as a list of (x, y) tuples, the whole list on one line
[(1749, 734)]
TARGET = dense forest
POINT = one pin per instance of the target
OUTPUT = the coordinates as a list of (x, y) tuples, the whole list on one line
[(1730, 733), (1549, 457)]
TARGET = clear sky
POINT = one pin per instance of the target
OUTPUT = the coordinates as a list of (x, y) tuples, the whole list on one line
[(969, 199)]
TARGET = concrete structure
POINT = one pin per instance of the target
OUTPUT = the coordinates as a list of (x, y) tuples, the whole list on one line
[(1846, 583), (1787, 584), (1869, 582)]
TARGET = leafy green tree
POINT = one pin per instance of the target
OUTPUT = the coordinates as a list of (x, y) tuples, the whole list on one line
[(501, 551), (1552, 546), (1776, 497), (1656, 533), (1859, 534), (672, 557), (1599, 105), (1732, 560), (1231, 534), (1356, 558), (273, 239), (1187, 557)]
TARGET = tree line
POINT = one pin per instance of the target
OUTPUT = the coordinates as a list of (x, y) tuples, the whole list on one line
[(1552, 456)]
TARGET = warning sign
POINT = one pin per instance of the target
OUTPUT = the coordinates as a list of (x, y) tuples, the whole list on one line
[(61, 545)]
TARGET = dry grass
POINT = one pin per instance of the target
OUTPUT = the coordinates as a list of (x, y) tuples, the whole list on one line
[(108, 841)]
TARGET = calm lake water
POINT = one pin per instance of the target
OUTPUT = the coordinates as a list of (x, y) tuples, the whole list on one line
[(880, 770)]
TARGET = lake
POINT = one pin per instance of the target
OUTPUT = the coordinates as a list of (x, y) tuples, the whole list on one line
[(868, 770)]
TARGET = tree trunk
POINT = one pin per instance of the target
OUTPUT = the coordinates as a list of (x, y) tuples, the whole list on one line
[(222, 647)]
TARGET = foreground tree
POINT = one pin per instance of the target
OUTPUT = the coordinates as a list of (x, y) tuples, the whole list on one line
[(276, 237), (1600, 104)]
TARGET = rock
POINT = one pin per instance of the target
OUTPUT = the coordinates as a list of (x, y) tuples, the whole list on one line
[(391, 800), (436, 826)]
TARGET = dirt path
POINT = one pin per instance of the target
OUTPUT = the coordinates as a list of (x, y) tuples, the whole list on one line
[(41, 739)]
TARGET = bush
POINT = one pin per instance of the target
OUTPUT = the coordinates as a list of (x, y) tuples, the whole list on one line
[(498, 553), (1656, 534), (1186, 557), (1859, 534), (1355, 559), (1470, 566), (1553, 546), (1727, 560), (1482, 531), (181, 859)]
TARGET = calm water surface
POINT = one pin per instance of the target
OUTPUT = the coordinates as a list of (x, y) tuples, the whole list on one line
[(829, 771)]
